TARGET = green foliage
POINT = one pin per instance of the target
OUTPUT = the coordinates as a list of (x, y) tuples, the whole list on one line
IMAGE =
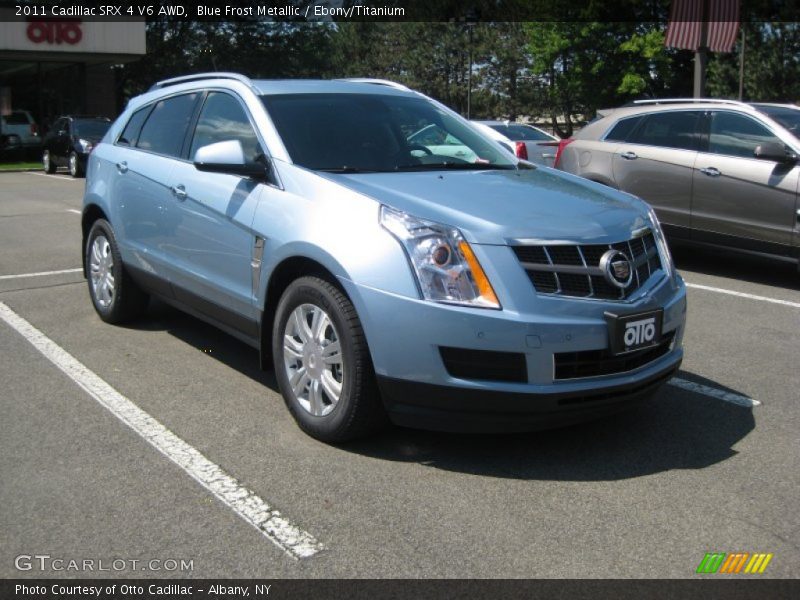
[(583, 66), (258, 48), (771, 65), (562, 71)]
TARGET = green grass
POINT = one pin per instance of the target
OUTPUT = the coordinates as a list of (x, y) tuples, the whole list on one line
[(20, 165)]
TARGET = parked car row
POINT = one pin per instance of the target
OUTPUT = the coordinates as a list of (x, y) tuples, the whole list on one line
[(69, 142), (391, 261)]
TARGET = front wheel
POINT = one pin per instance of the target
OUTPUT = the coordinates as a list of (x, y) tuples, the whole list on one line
[(47, 162), (115, 296), (322, 363), (74, 165)]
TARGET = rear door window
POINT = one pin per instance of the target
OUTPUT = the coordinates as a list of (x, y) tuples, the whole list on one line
[(623, 129), (166, 127), (736, 135), (130, 134), (678, 129)]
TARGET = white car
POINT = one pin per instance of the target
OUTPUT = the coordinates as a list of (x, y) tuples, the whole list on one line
[(432, 139), (525, 141), (22, 124)]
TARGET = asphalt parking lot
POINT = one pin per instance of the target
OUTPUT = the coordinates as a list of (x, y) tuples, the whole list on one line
[(710, 465)]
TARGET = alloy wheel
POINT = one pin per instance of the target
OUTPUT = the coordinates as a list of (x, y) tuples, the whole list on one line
[(101, 269), (312, 357)]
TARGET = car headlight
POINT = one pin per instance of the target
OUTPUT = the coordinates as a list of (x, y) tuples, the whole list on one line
[(661, 242), (85, 145), (447, 269)]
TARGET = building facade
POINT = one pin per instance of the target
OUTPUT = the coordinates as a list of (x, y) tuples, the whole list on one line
[(52, 67)]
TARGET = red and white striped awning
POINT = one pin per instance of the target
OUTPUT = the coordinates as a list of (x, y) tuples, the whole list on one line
[(686, 22)]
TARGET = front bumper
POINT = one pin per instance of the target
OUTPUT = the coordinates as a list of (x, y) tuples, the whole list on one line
[(406, 335), (454, 409)]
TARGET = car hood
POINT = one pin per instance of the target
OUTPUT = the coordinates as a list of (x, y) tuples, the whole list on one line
[(496, 207)]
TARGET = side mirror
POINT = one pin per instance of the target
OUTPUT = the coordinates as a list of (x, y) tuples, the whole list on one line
[(227, 157), (776, 152)]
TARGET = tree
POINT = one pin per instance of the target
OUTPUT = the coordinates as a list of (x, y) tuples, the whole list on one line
[(771, 66), (502, 87), (582, 66)]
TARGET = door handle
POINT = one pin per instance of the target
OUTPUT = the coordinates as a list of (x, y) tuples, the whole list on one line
[(122, 167), (629, 155), (179, 191), (710, 171)]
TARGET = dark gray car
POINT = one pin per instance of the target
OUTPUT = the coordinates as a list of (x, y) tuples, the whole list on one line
[(717, 172)]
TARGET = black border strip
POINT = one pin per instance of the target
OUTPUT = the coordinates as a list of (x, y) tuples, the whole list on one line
[(708, 588), (390, 10)]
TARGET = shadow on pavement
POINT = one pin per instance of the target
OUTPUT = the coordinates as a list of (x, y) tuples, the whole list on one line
[(676, 429)]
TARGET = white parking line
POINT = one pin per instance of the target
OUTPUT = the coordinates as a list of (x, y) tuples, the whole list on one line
[(286, 535), (62, 177), (41, 274), (742, 295), (74, 210), (706, 390)]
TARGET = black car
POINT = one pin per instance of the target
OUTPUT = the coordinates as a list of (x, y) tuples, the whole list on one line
[(69, 142)]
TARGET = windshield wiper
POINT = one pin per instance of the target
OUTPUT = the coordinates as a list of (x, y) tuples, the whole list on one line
[(347, 170), (455, 167)]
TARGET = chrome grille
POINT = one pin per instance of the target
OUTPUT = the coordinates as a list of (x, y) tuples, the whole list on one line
[(574, 270)]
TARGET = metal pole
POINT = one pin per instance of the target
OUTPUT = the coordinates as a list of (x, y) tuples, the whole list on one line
[(469, 74), (701, 57), (741, 67)]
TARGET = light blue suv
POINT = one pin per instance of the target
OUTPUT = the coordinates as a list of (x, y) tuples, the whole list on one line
[(438, 283)]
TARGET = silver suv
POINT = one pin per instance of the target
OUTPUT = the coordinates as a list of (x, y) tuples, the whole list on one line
[(717, 172)]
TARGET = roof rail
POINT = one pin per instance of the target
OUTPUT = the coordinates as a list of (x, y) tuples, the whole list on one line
[(386, 82), (689, 101), (200, 77)]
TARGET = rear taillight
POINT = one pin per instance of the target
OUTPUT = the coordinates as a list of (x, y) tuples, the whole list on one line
[(521, 150), (561, 145), (34, 129)]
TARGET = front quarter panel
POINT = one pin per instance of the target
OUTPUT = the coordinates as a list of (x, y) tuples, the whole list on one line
[(314, 218)]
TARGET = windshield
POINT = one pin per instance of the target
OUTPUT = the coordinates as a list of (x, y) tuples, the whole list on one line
[(352, 133), (522, 133), (788, 117), (94, 128)]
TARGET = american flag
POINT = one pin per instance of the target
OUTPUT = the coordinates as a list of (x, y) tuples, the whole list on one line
[(686, 22)]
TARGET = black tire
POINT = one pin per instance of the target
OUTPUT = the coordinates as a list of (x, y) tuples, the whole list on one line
[(47, 162), (128, 300), (74, 164), (358, 411)]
